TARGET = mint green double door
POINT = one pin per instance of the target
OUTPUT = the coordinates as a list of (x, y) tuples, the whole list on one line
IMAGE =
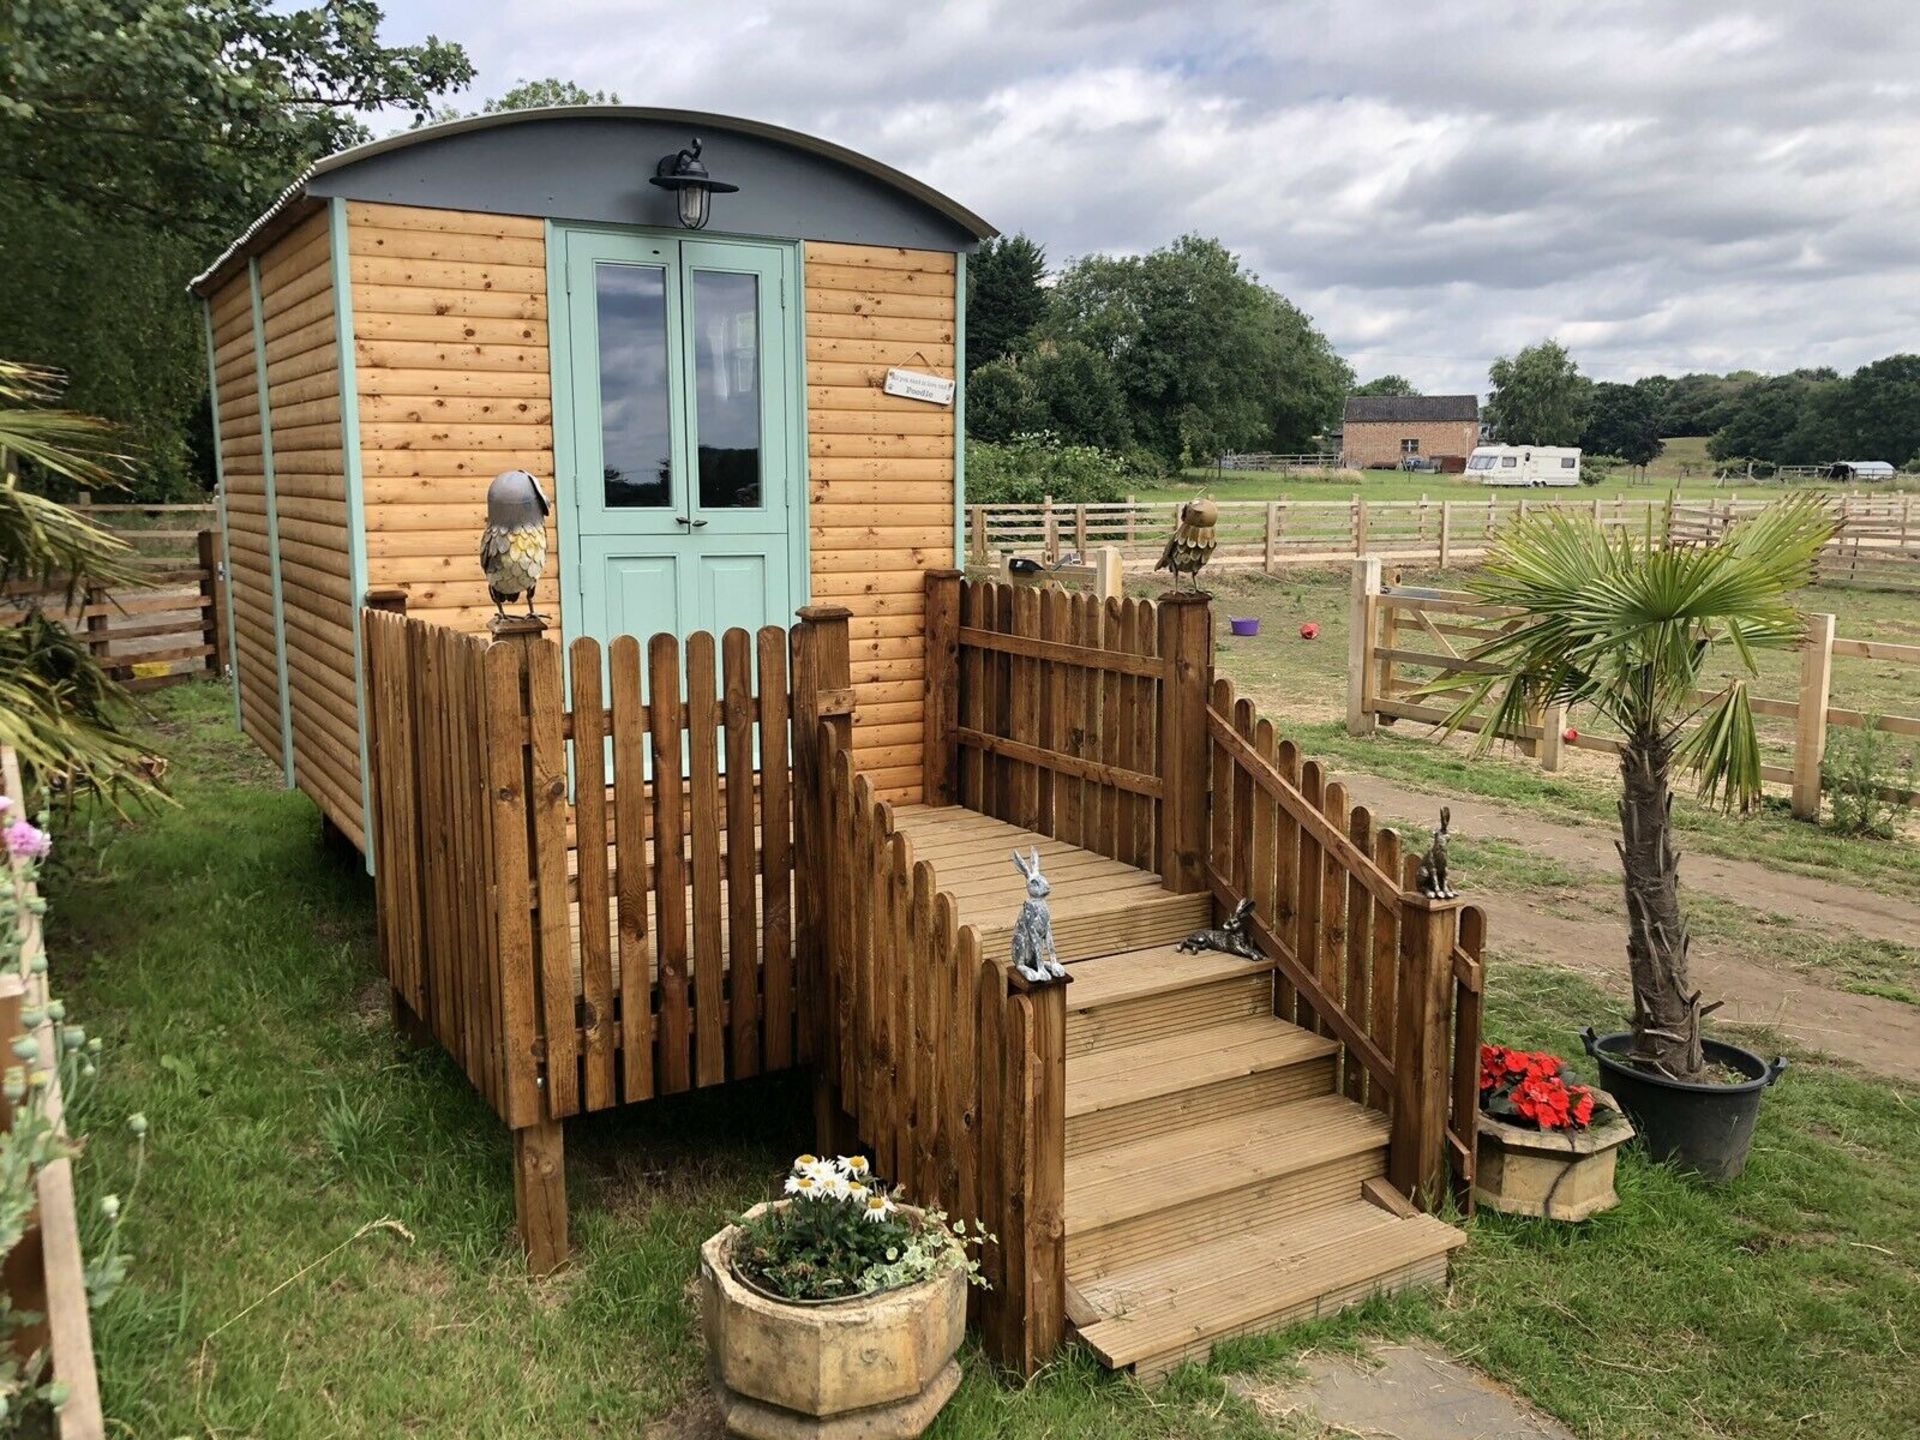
[(677, 433)]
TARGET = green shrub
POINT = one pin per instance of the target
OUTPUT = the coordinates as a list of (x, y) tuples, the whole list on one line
[(1028, 468), (1858, 767)]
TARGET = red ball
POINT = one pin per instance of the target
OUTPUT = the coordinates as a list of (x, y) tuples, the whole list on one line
[(1570, 735), (1309, 631)]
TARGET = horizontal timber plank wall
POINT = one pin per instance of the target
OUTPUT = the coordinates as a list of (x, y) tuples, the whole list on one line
[(451, 358), (303, 410), (249, 563), (881, 479)]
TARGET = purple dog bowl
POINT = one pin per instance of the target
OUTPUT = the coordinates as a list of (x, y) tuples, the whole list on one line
[(1244, 627)]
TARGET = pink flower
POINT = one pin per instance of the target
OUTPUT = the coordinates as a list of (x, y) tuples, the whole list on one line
[(27, 842)]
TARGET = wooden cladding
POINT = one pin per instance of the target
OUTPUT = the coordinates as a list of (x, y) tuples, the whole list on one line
[(300, 334), (249, 549), (1362, 957), (952, 1068), (881, 478), (451, 361)]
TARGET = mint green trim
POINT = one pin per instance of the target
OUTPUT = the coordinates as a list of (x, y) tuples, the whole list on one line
[(560, 407), (960, 411), (220, 498), (273, 523), (800, 492), (355, 489)]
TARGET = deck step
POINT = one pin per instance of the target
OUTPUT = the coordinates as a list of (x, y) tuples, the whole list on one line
[(1109, 925), (1124, 999), (1171, 1308), (1128, 1202), (1173, 1081)]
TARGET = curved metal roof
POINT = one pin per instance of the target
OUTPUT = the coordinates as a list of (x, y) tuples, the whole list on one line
[(289, 208)]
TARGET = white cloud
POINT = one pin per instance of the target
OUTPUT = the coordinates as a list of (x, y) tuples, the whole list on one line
[(1664, 187)]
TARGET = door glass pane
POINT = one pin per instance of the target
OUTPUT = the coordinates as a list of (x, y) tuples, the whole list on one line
[(726, 343), (635, 425)]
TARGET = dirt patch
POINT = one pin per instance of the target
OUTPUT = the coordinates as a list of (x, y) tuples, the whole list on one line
[(1882, 1035)]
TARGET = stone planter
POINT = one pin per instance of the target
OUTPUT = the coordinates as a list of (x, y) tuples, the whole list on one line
[(1552, 1174), (878, 1367)]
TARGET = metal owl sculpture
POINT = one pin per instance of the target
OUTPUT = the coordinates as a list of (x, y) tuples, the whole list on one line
[(1191, 544), (513, 547)]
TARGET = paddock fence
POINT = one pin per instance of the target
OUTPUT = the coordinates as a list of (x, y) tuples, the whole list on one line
[(1412, 648), (1877, 539)]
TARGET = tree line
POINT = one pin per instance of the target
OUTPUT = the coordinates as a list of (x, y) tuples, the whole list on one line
[(1165, 359), (1806, 417)]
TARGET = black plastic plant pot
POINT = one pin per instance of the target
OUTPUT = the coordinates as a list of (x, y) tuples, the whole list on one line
[(1707, 1129)]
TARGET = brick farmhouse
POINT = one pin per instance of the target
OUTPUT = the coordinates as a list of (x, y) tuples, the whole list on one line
[(1381, 429)]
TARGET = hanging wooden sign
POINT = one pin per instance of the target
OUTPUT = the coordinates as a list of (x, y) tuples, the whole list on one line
[(912, 385)]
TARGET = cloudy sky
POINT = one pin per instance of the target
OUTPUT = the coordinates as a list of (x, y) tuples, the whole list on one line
[(1663, 185)]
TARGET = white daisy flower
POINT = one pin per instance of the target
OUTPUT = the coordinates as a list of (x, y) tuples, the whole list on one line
[(879, 1207), (858, 1193), (804, 1186), (856, 1166), (803, 1163)]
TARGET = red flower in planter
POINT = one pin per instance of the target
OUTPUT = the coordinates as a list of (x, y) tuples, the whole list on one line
[(1531, 1087)]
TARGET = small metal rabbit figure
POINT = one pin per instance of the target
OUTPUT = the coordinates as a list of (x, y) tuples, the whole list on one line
[(1230, 938), (1432, 878), (1033, 953)]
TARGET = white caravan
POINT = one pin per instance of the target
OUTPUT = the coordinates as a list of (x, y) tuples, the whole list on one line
[(1524, 465)]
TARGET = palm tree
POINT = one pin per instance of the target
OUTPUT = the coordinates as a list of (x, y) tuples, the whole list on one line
[(1632, 630), (58, 709)]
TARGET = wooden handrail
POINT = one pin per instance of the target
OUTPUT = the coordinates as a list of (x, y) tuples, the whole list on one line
[(1270, 780)]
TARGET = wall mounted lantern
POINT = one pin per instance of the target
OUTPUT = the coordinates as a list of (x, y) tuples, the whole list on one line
[(682, 173)]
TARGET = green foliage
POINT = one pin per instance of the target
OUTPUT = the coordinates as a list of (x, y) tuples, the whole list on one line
[(524, 95), (1624, 424), (1061, 386), (139, 136), (1696, 404), (35, 1138), (1857, 772), (1028, 468), (1386, 385), (1208, 358), (58, 708), (192, 114), (1633, 630), (1002, 402), (1875, 412), (841, 1234), (1005, 298), (1784, 419), (1539, 396)]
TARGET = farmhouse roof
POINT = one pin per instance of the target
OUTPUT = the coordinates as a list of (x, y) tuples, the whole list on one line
[(1369, 409)]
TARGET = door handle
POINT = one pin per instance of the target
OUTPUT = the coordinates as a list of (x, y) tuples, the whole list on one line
[(698, 524), (685, 520)]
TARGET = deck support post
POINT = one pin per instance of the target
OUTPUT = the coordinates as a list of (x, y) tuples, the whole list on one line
[(822, 678), (540, 1194), (1186, 655), (940, 711), (1417, 1144)]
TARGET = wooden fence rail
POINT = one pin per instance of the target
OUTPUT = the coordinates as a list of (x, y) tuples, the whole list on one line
[(46, 1273), (1406, 639), (1363, 957), (167, 627)]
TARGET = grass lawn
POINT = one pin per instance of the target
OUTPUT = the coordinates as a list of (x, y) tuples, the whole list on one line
[(322, 1239)]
